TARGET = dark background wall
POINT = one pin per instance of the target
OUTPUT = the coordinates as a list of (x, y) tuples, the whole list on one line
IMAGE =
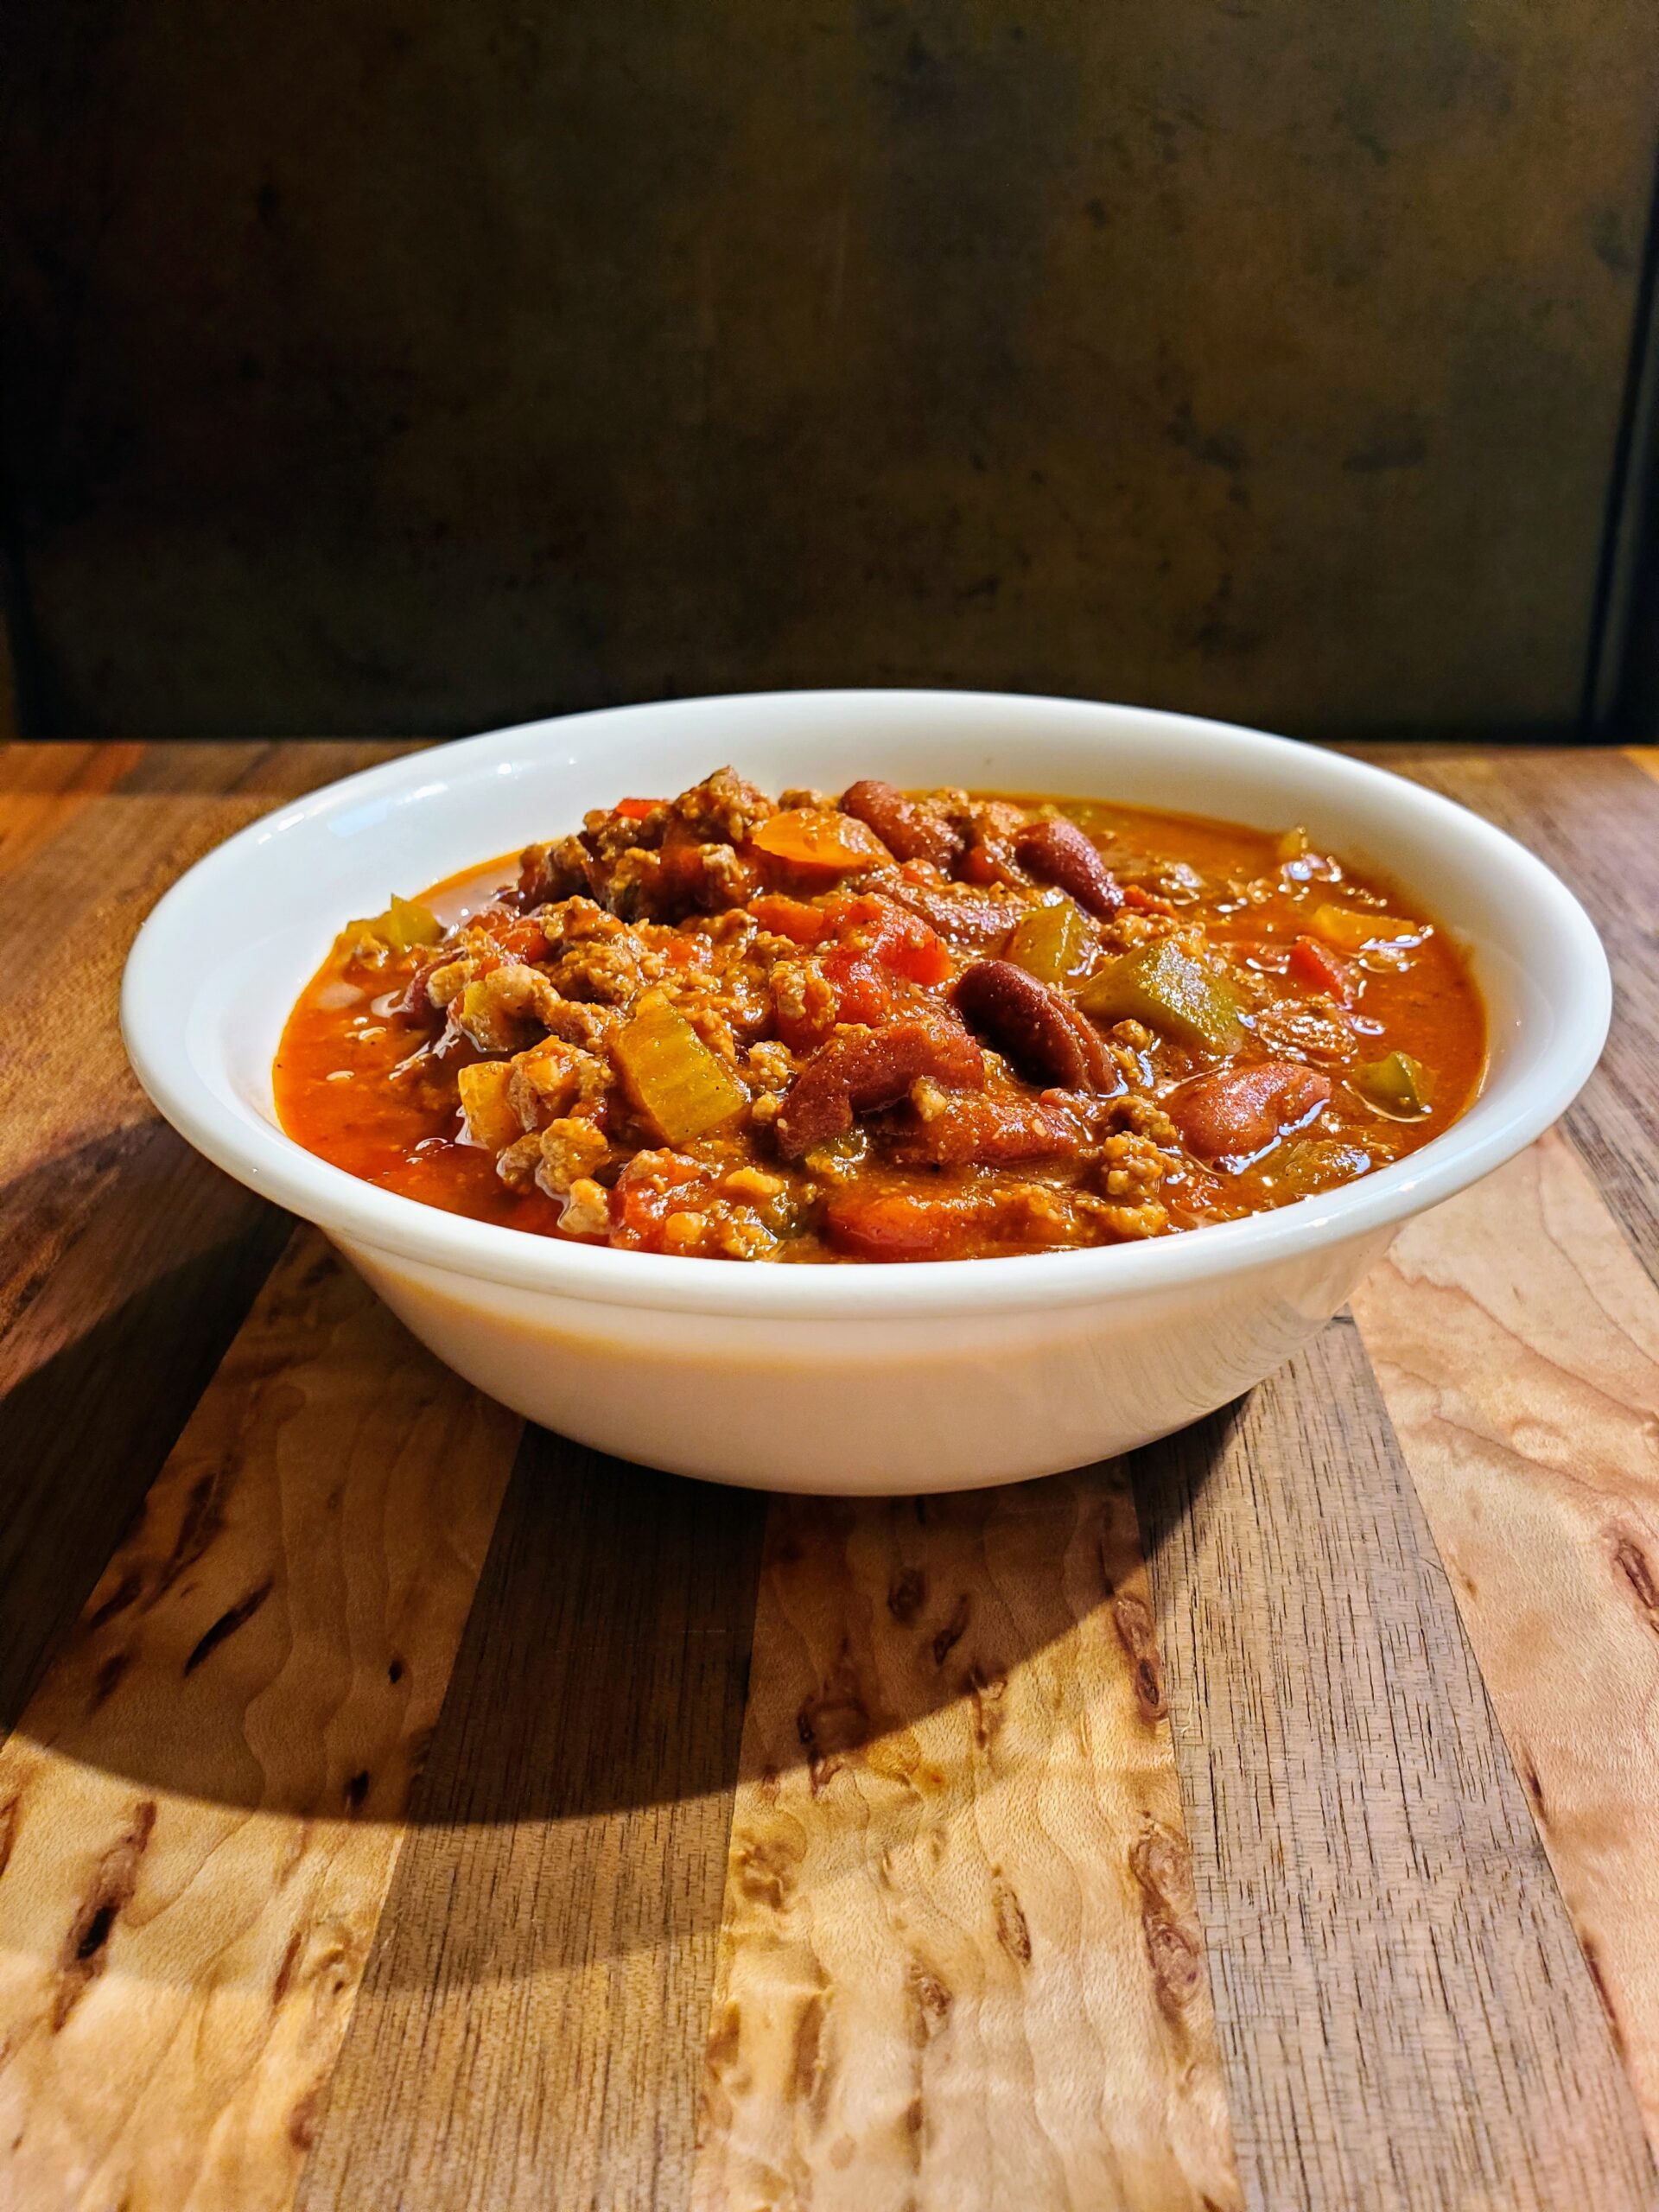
[(373, 367)]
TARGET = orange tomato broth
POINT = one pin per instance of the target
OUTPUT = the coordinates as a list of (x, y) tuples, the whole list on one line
[(343, 1039)]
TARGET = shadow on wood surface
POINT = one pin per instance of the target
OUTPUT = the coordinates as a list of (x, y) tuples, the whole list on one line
[(605, 1659)]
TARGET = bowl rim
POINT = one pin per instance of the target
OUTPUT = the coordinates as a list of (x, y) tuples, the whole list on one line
[(263, 1157)]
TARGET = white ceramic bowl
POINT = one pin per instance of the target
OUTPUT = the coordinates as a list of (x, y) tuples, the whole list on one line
[(853, 1378)]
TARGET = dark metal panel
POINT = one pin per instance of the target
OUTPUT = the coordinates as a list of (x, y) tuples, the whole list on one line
[(378, 368)]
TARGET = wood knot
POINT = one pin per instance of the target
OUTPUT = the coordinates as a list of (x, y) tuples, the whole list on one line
[(833, 1723), (1637, 1568), (1013, 1932), (84, 1954), (1137, 1633), (235, 1616), (929, 2002), (1162, 1868), (906, 1595), (765, 1871), (947, 1637), (987, 1690)]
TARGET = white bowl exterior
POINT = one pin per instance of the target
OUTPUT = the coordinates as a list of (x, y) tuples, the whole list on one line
[(859, 1406), (1029, 1363)]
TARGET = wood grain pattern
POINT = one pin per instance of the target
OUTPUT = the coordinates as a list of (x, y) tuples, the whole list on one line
[(1405, 2017), (126, 1261), (960, 1965), (275, 769), (1594, 817), (532, 2029), (199, 1806), (1646, 757), (1516, 1341), (42, 787)]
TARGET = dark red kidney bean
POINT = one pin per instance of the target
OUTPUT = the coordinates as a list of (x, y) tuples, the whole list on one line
[(963, 918), (1061, 854), (1237, 1112), (982, 1129), (1037, 1030), (911, 830), (860, 1071)]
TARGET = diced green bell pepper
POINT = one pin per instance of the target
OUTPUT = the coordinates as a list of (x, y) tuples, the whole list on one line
[(1172, 993), (1398, 1085), (1308, 1164), (1050, 942)]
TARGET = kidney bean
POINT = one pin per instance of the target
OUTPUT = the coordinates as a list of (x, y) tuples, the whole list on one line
[(911, 830), (1036, 1029), (975, 1128), (860, 1071), (1060, 852), (964, 918), (1237, 1112)]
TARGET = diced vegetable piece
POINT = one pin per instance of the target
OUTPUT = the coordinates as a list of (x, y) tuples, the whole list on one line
[(840, 1159), (491, 1121), (636, 810), (1171, 992), (1312, 964), (820, 840), (1350, 929), (790, 918), (682, 1088), (863, 991), (404, 924), (1290, 844), (1397, 1084), (896, 1225), (1050, 942), (1144, 901), (907, 945), (1309, 1164)]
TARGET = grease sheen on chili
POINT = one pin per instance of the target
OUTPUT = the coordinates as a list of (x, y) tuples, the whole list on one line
[(878, 1025)]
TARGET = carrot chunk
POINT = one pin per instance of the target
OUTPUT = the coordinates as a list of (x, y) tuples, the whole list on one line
[(791, 918), (819, 842)]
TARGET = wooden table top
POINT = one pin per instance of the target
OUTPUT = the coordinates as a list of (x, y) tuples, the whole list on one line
[(401, 1809)]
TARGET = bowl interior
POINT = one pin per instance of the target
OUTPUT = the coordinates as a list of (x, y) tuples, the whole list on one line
[(222, 959)]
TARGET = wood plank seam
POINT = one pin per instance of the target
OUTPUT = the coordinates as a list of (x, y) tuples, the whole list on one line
[(1380, 1921)]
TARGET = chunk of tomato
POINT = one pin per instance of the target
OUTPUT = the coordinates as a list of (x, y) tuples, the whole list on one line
[(862, 991), (1320, 968)]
